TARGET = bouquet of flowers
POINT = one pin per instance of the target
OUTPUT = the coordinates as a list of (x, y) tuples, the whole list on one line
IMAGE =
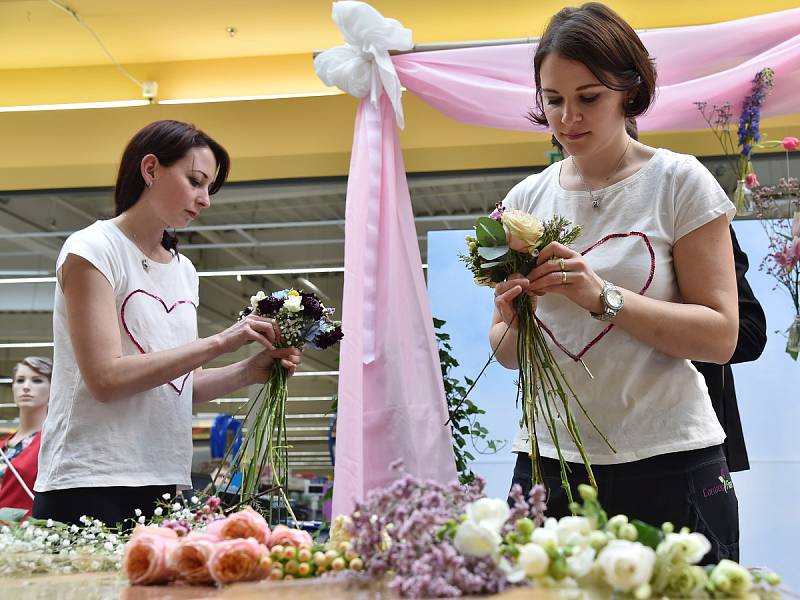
[(304, 323), (784, 245), (748, 136), (506, 242), (438, 540)]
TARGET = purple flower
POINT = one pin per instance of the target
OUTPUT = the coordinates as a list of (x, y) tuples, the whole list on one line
[(311, 305), (329, 338), (497, 213), (750, 117), (270, 306)]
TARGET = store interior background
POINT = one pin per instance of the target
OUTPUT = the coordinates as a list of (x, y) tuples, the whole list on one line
[(284, 208)]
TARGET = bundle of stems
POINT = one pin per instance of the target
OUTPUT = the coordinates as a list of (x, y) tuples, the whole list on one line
[(265, 443), (547, 394)]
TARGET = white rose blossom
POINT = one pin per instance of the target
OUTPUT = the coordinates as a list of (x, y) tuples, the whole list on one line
[(691, 547), (254, 300), (626, 565), (573, 530), (292, 304), (490, 512), (476, 539)]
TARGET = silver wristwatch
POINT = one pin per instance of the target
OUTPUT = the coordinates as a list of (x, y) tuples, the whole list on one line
[(613, 301)]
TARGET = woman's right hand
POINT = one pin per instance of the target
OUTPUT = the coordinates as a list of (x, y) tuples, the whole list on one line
[(504, 295), (252, 328)]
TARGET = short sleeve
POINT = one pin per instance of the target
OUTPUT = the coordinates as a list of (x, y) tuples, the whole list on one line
[(516, 198), (92, 245), (698, 198)]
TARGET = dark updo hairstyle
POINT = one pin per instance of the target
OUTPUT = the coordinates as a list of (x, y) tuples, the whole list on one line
[(169, 141), (597, 37)]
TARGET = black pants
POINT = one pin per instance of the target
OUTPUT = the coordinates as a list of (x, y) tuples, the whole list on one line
[(111, 505), (692, 489)]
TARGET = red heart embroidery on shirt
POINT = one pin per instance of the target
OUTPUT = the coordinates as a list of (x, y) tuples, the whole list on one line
[(599, 336), (168, 310)]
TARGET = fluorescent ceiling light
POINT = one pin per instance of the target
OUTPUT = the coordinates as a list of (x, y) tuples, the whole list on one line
[(75, 105), (27, 345), (246, 98)]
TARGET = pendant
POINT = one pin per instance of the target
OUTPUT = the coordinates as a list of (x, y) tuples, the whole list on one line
[(596, 202), (145, 265)]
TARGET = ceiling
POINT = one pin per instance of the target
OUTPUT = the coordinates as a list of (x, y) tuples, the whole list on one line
[(185, 30)]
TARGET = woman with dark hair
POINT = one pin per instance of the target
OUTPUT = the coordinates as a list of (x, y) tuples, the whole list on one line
[(128, 361), (649, 287), (30, 387)]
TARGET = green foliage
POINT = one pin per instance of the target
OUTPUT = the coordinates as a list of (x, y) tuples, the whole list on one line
[(463, 412)]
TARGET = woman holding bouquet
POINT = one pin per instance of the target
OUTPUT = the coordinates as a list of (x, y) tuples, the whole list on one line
[(128, 361), (648, 287)]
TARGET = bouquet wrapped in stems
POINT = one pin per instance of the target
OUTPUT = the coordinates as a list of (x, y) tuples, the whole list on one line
[(304, 323), (506, 242)]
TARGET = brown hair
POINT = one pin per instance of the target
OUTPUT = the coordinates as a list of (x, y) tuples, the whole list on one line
[(169, 141), (597, 37), (40, 364)]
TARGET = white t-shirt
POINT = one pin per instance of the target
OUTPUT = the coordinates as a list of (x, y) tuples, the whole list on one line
[(146, 438), (645, 402)]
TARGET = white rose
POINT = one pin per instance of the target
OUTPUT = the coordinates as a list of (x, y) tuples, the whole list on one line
[(292, 304), (581, 561), (490, 512), (533, 559), (731, 578), (573, 530), (475, 539), (523, 230), (254, 300), (691, 547), (543, 535), (626, 565)]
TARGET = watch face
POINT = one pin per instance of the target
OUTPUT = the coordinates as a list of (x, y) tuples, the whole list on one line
[(614, 298)]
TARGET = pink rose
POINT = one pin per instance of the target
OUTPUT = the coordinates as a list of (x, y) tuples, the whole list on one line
[(791, 143), (246, 523), (796, 225), (238, 560), (751, 179), (146, 556), (190, 558), (284, 536)]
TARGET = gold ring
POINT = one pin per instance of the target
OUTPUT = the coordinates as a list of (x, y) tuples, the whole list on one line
[(563, 278), (561, 263)]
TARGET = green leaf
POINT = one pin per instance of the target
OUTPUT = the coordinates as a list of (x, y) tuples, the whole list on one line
[(493, 252), (490, 232), (648, 535), (489, 265)]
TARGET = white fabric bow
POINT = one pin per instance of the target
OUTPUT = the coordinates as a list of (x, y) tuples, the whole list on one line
[(363, 66)]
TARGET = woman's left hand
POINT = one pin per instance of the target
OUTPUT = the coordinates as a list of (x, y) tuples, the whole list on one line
[(561, 270), (262, 362)]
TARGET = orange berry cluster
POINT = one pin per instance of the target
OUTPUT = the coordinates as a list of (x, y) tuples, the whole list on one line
[(290, 562)]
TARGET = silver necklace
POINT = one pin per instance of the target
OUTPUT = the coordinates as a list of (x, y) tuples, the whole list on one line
[(145, 262), (596, 201)]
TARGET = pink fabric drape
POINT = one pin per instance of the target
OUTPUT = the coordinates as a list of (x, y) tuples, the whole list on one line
[(391, 394), (493, 86), (391, 397)]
